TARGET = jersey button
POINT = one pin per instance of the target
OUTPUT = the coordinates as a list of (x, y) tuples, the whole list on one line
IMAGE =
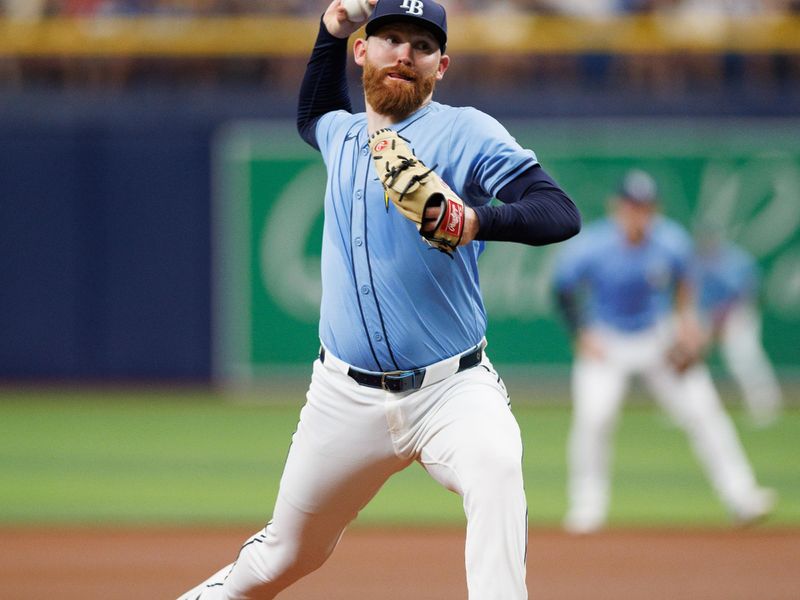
[(358, 241), (377, 337), (365, 289), (364, 151), (358, 194)]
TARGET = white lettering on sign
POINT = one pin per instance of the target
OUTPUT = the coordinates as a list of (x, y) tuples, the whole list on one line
[(288, 273)]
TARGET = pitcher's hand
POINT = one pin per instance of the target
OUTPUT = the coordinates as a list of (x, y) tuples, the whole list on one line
[(336, 21)]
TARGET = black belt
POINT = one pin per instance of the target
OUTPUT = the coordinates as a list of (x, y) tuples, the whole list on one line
[(402, 381)]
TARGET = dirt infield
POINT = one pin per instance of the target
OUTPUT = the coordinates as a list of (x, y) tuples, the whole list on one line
[(118, 564)]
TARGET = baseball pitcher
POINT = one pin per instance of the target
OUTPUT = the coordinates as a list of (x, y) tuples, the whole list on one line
[(402, 376)]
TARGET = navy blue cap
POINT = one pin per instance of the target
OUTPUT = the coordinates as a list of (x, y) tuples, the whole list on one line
[(639, 187), (425, 13)]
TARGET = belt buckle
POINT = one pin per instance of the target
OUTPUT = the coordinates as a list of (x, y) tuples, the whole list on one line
[(400, 381)]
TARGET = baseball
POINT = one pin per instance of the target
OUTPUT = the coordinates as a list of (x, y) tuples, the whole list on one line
[(357, 10)]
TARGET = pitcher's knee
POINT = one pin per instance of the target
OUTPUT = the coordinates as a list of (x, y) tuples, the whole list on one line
[(496, 469), (303, 560), (277, 565)]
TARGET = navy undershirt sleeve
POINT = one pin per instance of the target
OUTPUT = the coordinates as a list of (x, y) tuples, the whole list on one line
[(569, 307), (324, 87), (536, 211)]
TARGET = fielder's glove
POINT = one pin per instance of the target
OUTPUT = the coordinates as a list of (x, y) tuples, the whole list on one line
[(413, 187), (681, 357)]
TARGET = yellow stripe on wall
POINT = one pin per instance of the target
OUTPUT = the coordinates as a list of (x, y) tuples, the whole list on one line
[(473, 34)]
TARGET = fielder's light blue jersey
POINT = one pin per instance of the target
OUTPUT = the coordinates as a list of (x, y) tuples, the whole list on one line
[(628, 287), (389, 301), (723, 276)]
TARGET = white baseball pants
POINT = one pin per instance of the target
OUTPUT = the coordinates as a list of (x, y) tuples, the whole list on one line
[(350, 439), (748, 363), (599, 387)]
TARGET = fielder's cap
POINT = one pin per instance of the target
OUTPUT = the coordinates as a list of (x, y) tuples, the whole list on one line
[(425, 13), (639, 187)]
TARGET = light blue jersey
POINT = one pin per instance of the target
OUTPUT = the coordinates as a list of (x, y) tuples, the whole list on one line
[(389, 301), (628, 287), (724, 275)]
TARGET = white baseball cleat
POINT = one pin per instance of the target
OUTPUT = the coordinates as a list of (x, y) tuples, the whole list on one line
[(583, 523), (756, 507)]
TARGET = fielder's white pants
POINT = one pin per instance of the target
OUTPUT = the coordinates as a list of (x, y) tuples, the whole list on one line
[(745, 357), (599, 387), (351, 439)]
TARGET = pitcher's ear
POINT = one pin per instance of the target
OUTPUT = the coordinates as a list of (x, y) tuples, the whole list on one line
[(444, 63), (360, 51)]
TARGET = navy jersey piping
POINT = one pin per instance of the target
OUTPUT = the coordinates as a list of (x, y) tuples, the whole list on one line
[(422, 114), (371, 280), (353, 265)]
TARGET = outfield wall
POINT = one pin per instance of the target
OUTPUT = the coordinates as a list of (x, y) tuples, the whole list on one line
[(104, 231), (742, 174), (108, 212)]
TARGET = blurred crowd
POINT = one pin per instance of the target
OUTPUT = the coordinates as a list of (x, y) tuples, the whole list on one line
[(82, 8), (33, 9), (660, 74)]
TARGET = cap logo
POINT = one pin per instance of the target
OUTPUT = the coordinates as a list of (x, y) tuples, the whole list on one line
[(413, 7)]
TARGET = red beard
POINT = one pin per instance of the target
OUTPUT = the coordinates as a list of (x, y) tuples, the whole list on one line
[(396, 99)]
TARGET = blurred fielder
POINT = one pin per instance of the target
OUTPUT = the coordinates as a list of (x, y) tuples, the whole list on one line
[(402, 375), (727, 280), (623, 287)]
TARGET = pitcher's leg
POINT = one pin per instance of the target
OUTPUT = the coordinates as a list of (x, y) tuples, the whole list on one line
[(598, 388), (473, 447), (292, 545), (339, 458), (210, 589)]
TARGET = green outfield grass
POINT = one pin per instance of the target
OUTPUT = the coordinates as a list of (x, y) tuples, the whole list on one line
[(187, 457)]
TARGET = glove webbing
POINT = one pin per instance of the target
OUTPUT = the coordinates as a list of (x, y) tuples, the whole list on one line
[(392, 173), (406, 163)]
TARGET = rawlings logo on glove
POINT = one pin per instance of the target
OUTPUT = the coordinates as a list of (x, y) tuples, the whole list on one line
[(414, 188)]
